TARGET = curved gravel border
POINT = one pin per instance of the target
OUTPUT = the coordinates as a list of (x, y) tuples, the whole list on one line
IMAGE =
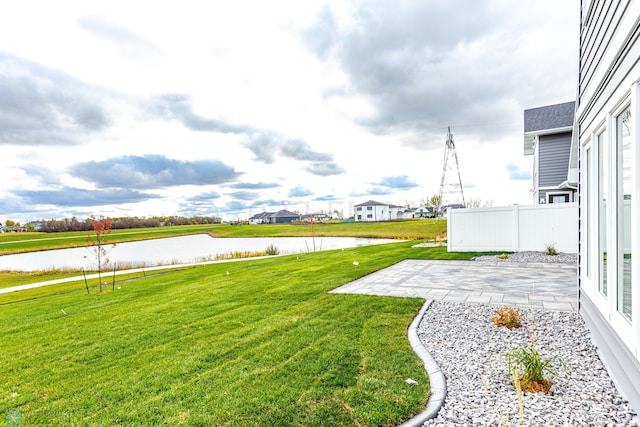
[(470, 350)]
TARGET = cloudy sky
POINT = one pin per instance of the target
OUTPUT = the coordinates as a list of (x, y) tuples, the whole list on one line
[(231, 108)]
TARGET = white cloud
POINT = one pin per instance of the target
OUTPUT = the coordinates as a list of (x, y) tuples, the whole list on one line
[(327, 102)]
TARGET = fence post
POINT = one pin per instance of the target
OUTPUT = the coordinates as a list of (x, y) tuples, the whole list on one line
[(515, 211)]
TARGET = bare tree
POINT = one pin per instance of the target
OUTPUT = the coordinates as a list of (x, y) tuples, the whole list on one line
[(97, 244)]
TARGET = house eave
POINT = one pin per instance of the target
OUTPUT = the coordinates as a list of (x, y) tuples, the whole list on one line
[(568, 185), (531, 137)]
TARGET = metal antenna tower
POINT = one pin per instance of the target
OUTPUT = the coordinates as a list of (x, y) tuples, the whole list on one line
[(451, 192)]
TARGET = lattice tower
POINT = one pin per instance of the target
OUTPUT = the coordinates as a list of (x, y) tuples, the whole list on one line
[(451, 192)]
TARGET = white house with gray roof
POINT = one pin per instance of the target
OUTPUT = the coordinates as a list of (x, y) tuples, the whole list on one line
[(547, 136), (372, 211)]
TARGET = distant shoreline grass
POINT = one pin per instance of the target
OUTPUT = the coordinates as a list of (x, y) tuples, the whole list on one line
[(257, 342)]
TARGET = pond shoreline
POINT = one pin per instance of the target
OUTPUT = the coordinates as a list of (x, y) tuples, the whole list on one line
[(176, 250)]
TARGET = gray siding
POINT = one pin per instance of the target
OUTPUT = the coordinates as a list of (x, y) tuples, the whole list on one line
[(553, 161), (599, 25), (621, 364)]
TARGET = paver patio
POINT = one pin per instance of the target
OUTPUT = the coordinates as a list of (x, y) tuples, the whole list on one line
[(550, 286)]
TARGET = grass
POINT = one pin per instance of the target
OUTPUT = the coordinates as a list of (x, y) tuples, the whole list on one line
[(9, 278), (410, 230), (265, 345)]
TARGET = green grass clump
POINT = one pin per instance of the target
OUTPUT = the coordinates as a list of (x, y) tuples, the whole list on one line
[(534, 367), (551, 250), (258, 342)]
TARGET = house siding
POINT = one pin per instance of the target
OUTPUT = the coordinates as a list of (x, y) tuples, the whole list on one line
[(553, 160), (620, 362), (609, 72), (601, 21), (611, 63)]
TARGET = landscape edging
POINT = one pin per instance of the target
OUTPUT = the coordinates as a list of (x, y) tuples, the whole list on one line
[(437, 382)]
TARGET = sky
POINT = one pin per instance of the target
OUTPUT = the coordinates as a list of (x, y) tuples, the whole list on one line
[(157, 108)]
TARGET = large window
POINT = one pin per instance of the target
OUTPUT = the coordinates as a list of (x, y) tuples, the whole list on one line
[(603, 190), (625, 190), (586, 168)]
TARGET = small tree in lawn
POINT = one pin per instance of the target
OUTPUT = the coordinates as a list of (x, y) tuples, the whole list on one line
[(97, 243)]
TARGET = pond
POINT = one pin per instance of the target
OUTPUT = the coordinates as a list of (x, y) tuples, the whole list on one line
[(175, 250)]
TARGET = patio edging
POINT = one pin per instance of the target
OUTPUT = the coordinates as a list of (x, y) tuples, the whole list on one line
[(437, 382)]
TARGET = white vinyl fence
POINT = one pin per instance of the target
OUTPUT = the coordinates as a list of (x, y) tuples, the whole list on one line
[(514, 228)]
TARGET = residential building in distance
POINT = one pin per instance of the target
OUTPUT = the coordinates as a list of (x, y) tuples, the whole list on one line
[(281, 217), (372, 211), (547, 136)]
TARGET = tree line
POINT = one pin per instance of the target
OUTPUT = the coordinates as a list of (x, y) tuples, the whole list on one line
[(73, 224)]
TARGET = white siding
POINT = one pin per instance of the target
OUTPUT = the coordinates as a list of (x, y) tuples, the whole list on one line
[(608, 84)]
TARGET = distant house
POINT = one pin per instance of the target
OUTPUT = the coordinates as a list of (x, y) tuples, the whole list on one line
[(445, 208), (547, 136), (413, 213), (34, 225), (406, 213), (372, 211), (315, 217), (424, 212), (281, 217), (14, 229), (260, 218)]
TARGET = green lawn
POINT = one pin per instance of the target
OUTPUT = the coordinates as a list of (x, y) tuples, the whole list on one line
[(9, 279), (264, 345)]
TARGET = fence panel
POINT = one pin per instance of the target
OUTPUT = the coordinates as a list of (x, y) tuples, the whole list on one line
[(514, 228)]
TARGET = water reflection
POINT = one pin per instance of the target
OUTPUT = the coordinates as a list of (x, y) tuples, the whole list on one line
[(176, 250)]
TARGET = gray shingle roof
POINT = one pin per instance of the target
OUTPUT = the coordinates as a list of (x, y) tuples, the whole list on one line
[(549, 117), (372, 203), (284, 214)]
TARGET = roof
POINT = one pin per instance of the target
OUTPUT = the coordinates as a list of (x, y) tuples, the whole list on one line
[(546, 120), (261, 215), (549, 117), (372, 203), (284, 214)]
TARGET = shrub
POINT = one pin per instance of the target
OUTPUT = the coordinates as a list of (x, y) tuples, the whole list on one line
[(272, 250), (534, 367), (551, 249), (508, 317)]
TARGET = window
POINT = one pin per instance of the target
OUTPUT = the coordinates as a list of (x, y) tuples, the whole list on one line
[(625, 189), (359, 208), (586, 170), (559, 197), (369, 208), (359, 216), (369, 216), (603, 186)]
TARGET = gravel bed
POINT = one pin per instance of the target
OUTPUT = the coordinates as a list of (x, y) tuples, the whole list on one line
[(470, 351), (531, 256)]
